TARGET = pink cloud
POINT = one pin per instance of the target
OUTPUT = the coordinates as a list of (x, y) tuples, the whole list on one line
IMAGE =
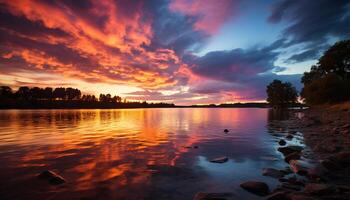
[(211, 14)]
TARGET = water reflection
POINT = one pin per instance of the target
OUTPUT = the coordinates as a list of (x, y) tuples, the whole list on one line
[(132, 154)]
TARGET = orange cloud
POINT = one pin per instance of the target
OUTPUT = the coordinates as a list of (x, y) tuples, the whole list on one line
[(114, 46)]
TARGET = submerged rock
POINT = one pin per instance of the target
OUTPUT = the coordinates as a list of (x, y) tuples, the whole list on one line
[(275, 173), (219, 160), (51, 177), (256, 187), (290, 149), (212, 196), (282, 142)]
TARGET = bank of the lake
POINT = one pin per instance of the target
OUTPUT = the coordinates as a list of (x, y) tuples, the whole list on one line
[(322, 167)]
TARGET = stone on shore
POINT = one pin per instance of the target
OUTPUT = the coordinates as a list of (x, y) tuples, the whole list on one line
[(51, 177), (318, 188), (275, 173), (256, 187), (292, 156), (290, 149), (277, 196), (299, 166), (289, 136), (219, 160), (212, 196), (282, 142)]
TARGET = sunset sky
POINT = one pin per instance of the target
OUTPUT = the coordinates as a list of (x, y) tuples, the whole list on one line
[(181, 51)]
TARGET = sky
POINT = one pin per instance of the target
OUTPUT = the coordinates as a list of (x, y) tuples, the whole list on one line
[(177, 51)]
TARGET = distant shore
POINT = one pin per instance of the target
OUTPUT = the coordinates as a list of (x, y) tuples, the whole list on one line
[(76, 104)]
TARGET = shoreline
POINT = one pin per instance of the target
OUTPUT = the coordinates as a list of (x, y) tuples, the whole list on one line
[(321, 167)]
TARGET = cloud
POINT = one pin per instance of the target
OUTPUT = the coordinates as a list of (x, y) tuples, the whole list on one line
[(210, 14), (76, 39), (313, 23)]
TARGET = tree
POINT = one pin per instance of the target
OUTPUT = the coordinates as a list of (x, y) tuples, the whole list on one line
[(337, 59), (329, 80), (48, 93), (23, 93), (59, 93), (5, 92), (281, 94)]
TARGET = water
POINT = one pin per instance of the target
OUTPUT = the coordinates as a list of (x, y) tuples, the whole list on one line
[(134, 153)]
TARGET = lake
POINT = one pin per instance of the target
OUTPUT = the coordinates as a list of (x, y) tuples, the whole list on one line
[(135, 153)]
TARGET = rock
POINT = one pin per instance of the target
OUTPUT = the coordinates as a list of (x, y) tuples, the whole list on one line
[(256, 187), (272, 172), (290, 149), (226, 130), (51, 177), (330, 165), (342, 158), (212, 196), (220, 160), (316, 172), (278, 196), (269, 158), (292, 156), (318, 188), (346, 126), (300, 197), (196, 147), (300, 167), (289, 136), (282, 142), (290, 186)]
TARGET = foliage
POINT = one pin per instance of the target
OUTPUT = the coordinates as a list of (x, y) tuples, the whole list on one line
[(281, 94), (36, 97), (328, 80), (328, 89)]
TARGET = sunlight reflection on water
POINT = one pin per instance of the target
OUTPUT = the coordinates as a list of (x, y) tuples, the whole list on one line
[(133, 154)]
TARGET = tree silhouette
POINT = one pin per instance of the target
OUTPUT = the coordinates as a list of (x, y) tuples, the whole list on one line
[(281, 94), (329, 80)]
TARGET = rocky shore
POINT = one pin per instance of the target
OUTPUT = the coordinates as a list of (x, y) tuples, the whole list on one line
[(320, 164)]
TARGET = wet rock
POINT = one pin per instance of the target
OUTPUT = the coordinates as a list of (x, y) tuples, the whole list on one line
[(212, 196), (278, 196), (226, 131), (51, 177), (256, 187), (219, 160), (275, 173), (299, 166), (330, 165), (282, 142), (289, 136), (292, 187), (290, 149), (292, 156), (269, 158), (316, 172), (318, 188), (300, 197), (342, 158)]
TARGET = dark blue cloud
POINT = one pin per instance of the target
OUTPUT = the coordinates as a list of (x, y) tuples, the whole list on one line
[(313, 23)]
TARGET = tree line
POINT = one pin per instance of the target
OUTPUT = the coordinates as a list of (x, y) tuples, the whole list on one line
[(328, 81), (36, 97)]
